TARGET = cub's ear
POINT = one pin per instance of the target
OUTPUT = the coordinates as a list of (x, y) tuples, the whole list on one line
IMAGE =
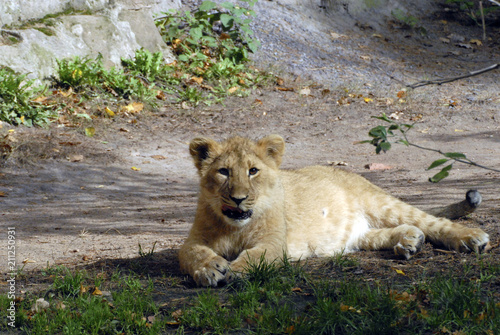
[(274, 147), (201, 148)]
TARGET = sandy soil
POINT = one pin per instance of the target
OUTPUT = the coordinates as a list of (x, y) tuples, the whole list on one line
[(75, 200)]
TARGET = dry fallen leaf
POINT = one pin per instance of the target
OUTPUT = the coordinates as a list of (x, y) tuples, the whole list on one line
[(335, 163), (60, 305), (97, 291), (197, 80), (27, 260), (476, 42), (133, 107), (177, 314), (233, 89), (336, 36), (83, 289), (305, 91), (135, 168), (377, 166), (464, 45), (40, 305), (158, 157), (284, 89), (75, 158)]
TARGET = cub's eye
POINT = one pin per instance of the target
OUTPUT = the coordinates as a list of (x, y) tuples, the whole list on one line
[(224, 172), (253, 171)]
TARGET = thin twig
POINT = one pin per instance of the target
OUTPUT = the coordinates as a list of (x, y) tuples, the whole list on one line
[(468, 161), (447, 80), (482, 20)]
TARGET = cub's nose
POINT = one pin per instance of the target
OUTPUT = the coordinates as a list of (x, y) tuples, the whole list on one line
[(238, 201)]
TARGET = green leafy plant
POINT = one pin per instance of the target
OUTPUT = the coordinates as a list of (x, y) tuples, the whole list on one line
[(393, 132), (16, 106), (78, 72), (150, 65), (83, 74), (211, 33)]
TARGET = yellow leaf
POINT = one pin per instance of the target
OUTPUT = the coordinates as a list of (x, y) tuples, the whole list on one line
[(136, 168), (11, 130), (459, 130), (97, 291), (344, 308), (133, 107), (109, 112), (197, 80), (90, 131), (367, 100), (83, 289), (21, 119), (399, 272)]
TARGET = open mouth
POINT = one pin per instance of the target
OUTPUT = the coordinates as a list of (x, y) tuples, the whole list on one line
[(236, 213)]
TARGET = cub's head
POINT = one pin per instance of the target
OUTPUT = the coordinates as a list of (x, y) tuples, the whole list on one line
[(239, 177)]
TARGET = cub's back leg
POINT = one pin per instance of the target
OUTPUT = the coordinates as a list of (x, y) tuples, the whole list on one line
[(394, 224)]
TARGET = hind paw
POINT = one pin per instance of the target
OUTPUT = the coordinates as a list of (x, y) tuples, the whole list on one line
[(474, 240)]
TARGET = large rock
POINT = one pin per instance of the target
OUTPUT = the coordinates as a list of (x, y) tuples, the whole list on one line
[(114, 29)]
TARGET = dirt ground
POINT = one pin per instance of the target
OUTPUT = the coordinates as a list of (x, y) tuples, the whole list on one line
[(80, 201)]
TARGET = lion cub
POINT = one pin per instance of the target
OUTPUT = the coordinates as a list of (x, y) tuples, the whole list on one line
[(248, 207)]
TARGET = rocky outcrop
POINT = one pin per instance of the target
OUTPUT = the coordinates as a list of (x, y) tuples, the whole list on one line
[(34, 35)]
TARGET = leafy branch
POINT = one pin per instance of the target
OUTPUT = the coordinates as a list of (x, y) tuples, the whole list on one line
[(383, 135)]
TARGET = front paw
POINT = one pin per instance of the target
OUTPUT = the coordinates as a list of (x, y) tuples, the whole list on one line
[(472, 239), (212, 272), (410, 243), (236, 270)]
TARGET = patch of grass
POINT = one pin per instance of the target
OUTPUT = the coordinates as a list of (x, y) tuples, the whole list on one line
[(282, 299), (147, 254), (342, 260), (273, 298), (77, 304)]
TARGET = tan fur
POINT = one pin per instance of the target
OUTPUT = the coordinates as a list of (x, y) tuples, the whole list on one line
[(314, 211)]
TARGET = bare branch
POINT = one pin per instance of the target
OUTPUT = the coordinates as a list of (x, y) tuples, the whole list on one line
[(447, 80)]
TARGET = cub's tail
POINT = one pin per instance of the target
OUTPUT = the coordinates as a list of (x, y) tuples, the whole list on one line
[(460, 209)]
